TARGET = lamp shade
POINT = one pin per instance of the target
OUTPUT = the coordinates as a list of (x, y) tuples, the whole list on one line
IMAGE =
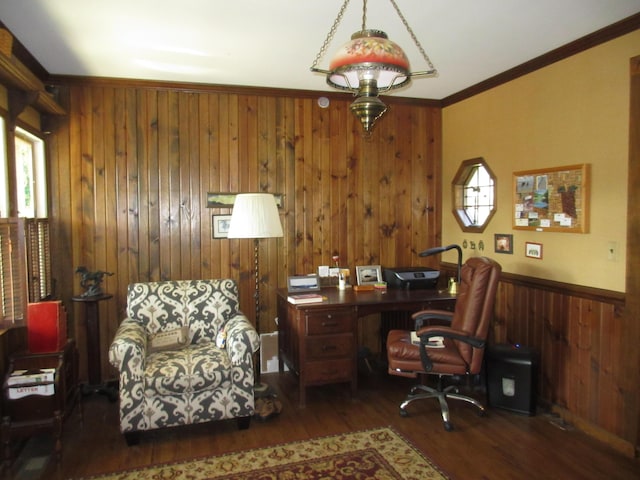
[(369, 55), (255, 215)]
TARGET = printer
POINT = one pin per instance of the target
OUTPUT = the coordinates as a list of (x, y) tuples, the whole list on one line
[(411, 278)]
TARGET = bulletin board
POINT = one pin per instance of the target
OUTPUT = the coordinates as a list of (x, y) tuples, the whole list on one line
[(552, 199)]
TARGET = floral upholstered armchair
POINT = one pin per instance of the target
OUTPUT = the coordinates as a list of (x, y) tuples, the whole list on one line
[(185, 355)]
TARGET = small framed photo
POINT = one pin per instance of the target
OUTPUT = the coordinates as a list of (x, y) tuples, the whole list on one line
[(368, 274), (220, 225), (533, 250), (503, 243), (303, 283)]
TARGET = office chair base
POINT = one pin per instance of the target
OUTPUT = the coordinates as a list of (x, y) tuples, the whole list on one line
[(420, 392)]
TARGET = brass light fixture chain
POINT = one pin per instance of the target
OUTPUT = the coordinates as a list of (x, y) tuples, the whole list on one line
[(413, 35), (364, 15), (330, 35)]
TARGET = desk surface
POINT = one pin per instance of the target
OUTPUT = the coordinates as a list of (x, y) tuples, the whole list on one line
[(392, 298)]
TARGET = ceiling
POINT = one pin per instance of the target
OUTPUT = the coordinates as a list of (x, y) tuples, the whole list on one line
[(272, 43)]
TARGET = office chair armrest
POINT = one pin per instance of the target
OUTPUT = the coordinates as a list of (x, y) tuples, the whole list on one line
[(423, 316), (435, 331)]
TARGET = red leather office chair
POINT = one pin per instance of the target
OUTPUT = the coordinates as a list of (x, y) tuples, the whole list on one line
[(463, 340)]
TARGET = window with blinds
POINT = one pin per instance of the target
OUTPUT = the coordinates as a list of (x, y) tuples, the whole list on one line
[(38, 259), (13, 274), (25, 266)]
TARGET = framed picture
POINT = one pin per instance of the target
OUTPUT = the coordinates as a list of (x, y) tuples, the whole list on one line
[(226, 200), (369, 274), (303, 283), (220, 225), (533, 250), (503, 243), (552, 199)]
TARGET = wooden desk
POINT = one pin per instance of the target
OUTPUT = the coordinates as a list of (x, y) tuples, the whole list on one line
[(318, 341)]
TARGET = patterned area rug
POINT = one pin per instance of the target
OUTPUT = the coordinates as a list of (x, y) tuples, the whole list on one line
[(372, 454)]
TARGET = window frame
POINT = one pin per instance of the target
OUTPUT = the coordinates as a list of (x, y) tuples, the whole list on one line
[(460, 185)]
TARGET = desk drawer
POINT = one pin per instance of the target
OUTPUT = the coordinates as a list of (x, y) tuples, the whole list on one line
[(329, 371), (330, 346), (329, 321)]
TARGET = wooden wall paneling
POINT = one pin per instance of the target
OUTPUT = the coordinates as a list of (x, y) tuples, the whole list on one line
[(403, 254), (174, 188), (193, 198), (322, 243), (60, 212), (152, 179), (354, 212), (142, 129), (111, 313), (165, 147), (432, 134), (336, 204), (608, 408), (203, 218), (185, 163), (97, 181), (267, 169), (247, 172), (371, 170), (131, 186)]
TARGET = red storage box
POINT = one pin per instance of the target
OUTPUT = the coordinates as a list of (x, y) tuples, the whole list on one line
[(46, 326)]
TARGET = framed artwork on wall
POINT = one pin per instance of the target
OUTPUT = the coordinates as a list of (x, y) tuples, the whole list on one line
[(503, 243), (226, 200), (220, 225), (552, 199), (533, 250)]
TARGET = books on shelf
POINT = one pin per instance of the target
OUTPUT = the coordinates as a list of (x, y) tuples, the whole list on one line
[(434, 342), (302, 298)]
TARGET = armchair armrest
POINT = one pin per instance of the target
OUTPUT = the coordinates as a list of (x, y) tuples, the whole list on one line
[(128, 350), (242, 339), (423, 316), (426, 333)]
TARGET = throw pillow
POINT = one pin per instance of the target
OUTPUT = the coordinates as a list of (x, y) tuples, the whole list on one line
[(169, 340)]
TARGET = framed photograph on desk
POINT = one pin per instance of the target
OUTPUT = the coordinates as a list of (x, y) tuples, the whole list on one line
[(369, 274)]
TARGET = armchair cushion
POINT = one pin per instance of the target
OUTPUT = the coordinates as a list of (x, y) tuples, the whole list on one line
[(193, 369)]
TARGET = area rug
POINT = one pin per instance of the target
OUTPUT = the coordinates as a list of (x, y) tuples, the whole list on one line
[(377, 454)]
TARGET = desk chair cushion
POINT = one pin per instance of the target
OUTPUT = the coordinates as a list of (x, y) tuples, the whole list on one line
[(404, 357)]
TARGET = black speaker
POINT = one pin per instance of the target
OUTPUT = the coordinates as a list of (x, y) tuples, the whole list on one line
[(512, 378)]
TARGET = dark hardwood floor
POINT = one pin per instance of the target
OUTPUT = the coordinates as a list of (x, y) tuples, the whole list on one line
[(501, 445)]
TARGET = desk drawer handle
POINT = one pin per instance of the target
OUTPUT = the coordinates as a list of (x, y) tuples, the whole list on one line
[(329, 324), (327, 348)]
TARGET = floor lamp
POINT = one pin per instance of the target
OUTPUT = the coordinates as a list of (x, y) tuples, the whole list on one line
[(255, 215)]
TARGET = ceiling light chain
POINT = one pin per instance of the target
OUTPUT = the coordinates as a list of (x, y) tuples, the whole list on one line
[(368, 65), (329, 38), (432, 69)]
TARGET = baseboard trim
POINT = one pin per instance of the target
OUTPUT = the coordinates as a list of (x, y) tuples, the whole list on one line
[(619, 444)]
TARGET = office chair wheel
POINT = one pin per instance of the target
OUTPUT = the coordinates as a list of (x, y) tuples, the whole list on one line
[(448, 426), (403, 413)]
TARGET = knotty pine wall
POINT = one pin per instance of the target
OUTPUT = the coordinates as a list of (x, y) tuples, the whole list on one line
[(131, 166)]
